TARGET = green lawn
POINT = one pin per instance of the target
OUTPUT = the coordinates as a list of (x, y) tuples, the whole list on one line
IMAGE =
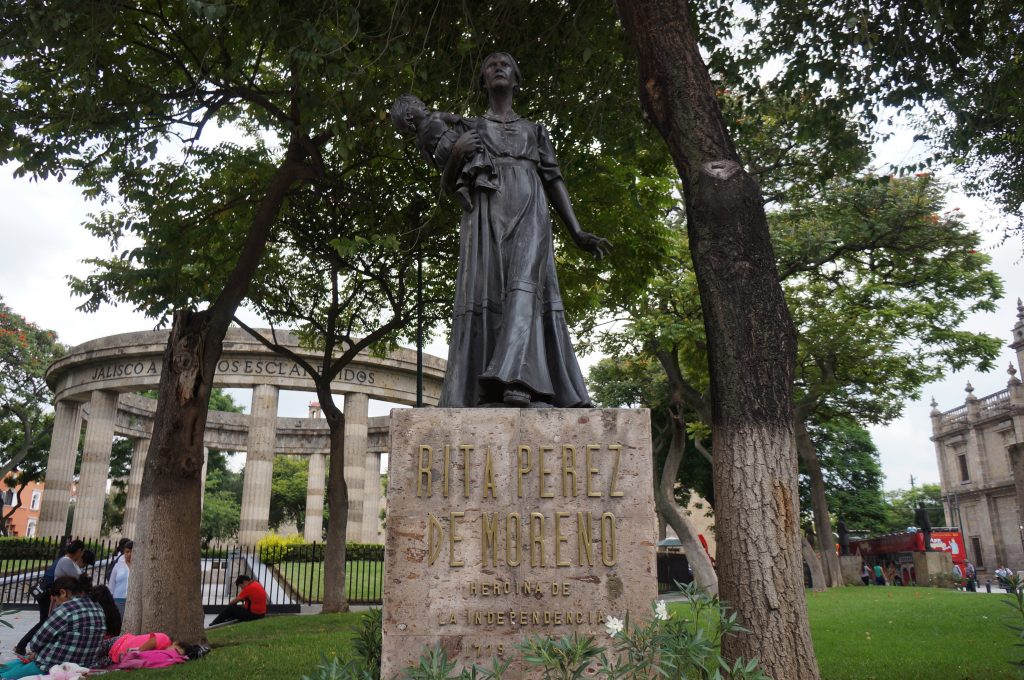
[(362, 579), (278, 647), (859, 634), (19, 566), (917, 633)]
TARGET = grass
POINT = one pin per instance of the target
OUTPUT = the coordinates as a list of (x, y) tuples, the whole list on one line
[(919, 633), (859, 634), (278, 647), (18, 566), (362, 579)]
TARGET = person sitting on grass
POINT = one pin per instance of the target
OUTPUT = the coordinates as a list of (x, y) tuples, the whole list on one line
[(73, 633), (249, 605)]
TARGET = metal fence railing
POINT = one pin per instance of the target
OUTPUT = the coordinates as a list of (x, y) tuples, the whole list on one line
[(292, 574)]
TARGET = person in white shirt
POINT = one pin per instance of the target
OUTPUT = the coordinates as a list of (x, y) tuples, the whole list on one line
[(119, 577)]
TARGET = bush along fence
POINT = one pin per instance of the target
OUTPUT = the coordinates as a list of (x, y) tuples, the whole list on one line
[(291, 571)]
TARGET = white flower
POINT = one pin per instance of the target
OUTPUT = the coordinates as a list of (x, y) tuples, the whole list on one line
[(613, 625), (661, 611)]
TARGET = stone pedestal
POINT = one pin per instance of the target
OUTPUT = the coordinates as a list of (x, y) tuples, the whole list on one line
[(933, 569), (508, 523), (849, 565)]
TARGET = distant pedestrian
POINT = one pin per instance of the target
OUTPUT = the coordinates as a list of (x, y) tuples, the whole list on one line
[(118, 583), (879, 576), (115, 559), (865, 574), (890, 574), (958, 575), (972, 577)]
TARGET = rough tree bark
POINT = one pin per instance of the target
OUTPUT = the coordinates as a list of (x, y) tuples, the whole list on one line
[(335, 599), (164, 593), (751, 346), (819, 504)]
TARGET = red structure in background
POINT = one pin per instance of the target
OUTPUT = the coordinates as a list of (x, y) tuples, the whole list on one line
[(899, 548)]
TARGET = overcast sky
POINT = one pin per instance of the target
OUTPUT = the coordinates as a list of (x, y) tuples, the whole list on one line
[(43, 242)]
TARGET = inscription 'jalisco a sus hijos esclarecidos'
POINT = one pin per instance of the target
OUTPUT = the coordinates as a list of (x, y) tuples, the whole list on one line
[(554, 539)]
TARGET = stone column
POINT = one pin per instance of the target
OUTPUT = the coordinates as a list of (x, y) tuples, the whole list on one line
[(314, 527), (131, 505), (60, 468), (371, 498), (259, 465), (356, 434), (92, 479)]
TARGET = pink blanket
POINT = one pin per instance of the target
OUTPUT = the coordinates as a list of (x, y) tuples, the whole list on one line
[(156, 658)]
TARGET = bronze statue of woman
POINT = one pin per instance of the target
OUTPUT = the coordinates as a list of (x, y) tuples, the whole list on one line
[(510, 345)]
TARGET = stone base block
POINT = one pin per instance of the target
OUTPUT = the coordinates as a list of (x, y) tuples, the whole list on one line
[(507, 523), (934, 569), (849, 565)]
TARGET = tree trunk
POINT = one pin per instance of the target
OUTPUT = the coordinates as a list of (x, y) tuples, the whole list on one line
[(335, 598), (814, 564), (700, 563), (703, 571), (751, 346), (819, 505), (164, 593)]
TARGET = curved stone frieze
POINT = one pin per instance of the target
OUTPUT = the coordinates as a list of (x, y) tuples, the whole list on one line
[(230, 431), (131, 362)]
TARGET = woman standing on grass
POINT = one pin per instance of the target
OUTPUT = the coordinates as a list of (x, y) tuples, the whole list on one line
[(119, 577)]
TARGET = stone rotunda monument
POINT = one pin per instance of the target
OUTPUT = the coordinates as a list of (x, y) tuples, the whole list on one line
[(98, 384)]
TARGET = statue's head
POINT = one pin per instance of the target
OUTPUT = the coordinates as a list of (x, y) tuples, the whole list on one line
[(501, 61), (406, 112)]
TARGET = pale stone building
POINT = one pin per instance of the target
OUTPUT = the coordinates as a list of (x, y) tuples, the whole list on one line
[(978, 446)]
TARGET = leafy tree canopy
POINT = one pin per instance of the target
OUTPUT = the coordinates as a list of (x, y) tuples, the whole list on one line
[(25, 353)]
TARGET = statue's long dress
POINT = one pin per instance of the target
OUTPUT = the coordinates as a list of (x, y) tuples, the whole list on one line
[(509, 324)]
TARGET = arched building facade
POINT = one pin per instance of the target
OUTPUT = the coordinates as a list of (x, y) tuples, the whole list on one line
[(98, 382)]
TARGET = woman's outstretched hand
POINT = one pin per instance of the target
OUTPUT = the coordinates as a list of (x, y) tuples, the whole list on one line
[(592, 243)]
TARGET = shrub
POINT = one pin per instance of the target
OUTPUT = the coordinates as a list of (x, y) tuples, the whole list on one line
[(273, 547), (684, 648)]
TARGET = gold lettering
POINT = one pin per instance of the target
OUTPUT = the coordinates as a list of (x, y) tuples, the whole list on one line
[(453, 538), (560, 538), (435, 534), (424, 470), (447, 468), (617, 448), (536, 539), (608, 539), (591, 471), (565, 588), (524, 469), (544, 472), (472, 587), (488, 537), (512, 521), (489, 474), (466, 451), (584, 544), (568, 469)]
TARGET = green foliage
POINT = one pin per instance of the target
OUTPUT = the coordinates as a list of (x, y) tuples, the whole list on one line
[(333, 669), (25, 421), (368, 640), (1015, 585), (956, 65), (852, 474), (221, 517), (288, 492), (19, 548), (901, 504), (677, 646), (564, 658)]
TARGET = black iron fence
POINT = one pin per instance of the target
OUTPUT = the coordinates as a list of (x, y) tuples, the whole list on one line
[(291, 573)]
